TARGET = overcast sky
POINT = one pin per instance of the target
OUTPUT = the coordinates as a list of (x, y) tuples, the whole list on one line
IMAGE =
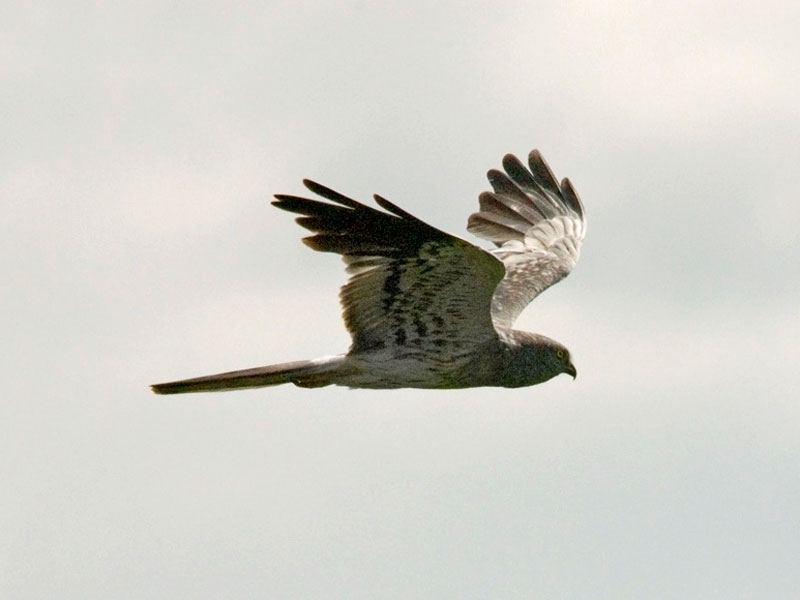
[(141, 145)]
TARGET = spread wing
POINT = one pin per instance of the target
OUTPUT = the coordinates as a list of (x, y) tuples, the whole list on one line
[(413, 288), (538, 226)]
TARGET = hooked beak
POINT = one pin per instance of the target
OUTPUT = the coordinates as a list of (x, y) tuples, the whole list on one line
[(571, 370)]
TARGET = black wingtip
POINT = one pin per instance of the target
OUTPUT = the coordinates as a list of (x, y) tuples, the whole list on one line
[(330, 194), (281, 200), (313, 185), (542, 172), (571, 197), (396, 210)]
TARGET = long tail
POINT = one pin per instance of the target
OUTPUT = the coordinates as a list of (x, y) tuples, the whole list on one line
[(303, 373)]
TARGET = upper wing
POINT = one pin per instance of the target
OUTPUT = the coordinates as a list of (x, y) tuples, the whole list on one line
[(412, 286), (538, 225)]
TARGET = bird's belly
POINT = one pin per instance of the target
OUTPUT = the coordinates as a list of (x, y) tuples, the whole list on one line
[(410, 369)]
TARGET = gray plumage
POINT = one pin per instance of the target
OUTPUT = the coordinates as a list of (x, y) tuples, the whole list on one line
[(426, 309)]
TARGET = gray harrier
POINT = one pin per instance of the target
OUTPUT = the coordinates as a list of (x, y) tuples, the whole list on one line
[(426, 309)]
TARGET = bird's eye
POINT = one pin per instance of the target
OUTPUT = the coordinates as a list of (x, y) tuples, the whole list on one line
[(560, 353)]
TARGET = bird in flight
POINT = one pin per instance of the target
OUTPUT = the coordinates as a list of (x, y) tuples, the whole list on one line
[(426, 309)]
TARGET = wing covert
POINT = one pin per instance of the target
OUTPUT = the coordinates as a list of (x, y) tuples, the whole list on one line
[(412, 287)]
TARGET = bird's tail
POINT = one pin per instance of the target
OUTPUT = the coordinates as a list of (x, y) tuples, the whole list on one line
[(303, 373)]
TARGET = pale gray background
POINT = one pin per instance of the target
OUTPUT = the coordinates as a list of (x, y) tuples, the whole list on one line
[(140, 145)]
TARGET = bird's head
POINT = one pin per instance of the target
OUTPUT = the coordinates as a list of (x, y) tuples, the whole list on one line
[(556, 357), (538, 358), (564, 362)]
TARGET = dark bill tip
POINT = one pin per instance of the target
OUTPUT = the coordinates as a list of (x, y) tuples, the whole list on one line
[(571, 370)]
